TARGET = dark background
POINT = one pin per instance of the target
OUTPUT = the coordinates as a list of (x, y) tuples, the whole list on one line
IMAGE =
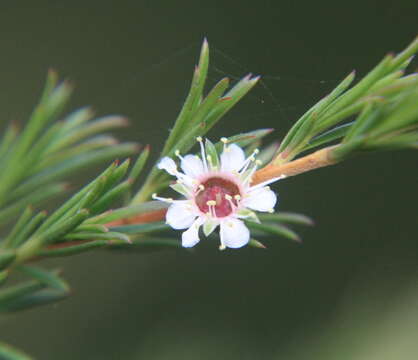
[(349, 292)]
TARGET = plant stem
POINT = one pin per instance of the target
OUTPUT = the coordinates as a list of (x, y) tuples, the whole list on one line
[(309, 162)]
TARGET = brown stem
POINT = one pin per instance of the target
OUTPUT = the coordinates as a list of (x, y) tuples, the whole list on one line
[(309, 162)]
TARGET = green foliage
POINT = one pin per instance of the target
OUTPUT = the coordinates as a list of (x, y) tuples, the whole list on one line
[(380, 112)]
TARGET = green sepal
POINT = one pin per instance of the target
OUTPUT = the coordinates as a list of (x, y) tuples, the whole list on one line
[(180, 188), (248, 215), (212, 155), (209, 226)]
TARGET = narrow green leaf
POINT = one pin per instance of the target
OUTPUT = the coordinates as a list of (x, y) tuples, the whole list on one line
[(244, 139), (39, 298), (366, 119), (84, 131), (141, 228), (8, 352), (73, 249), (19, 225), (139, 163), (48, 278), (75, 199), (129, 211), (11, 293), (27, 231), (30, 248), (6, 257), (116, 193), (287, 217), (212, 154), (37, 197), (111, 235), (8, 139), (275, 229), (318, 108), (257, 244), (329, 136), (192, 100), (3, 276)]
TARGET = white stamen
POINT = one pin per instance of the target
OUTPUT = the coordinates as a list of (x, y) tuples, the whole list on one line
[(167, 200), (202, 150)]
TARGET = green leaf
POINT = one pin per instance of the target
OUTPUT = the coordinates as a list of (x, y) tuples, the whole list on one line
[(19, 225), (48, 278), (11, 293), (318, 108), (329, 136), (111, 235), (6, 214), (28, 230), (287, 217), (141, 228), (244, 139), (6, 257), (257, 244), (75, 249), (192, 101), (140, 163), (275, 229), (212, 154), (8, 352), (129, 211), (38, 298), (29, 248), (112, 195)]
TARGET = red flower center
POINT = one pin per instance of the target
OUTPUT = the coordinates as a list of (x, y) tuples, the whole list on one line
[(215, 195)]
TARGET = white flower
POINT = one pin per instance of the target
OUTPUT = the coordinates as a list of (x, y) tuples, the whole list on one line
[(217, 192)]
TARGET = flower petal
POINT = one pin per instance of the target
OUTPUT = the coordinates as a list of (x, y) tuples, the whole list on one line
[(191, 236), (168, 165), (234, 233), (260, 199), (192, 165), (180, 215), (232, 158)]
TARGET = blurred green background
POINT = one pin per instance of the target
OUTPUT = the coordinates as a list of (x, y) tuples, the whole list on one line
[(349, 292)]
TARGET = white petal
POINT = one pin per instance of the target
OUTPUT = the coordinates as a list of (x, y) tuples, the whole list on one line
[(234, 233), (192, 165), (191, 236), (232, 158), (260, 199), (168, 165), (180, 215)]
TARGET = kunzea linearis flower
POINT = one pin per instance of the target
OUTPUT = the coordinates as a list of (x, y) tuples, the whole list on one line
[(218, 192)]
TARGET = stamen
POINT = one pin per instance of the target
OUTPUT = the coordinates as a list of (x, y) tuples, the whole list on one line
[(237, 197), (211, 203), (202, 150), (228, 197), (199, 189), (250, 159), (167, 200), (225, 141)]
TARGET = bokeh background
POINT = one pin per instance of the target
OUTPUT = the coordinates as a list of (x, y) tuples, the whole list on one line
[(349, 292)]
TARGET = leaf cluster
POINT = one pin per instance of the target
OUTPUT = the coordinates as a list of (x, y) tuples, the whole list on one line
[(379, 112)]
